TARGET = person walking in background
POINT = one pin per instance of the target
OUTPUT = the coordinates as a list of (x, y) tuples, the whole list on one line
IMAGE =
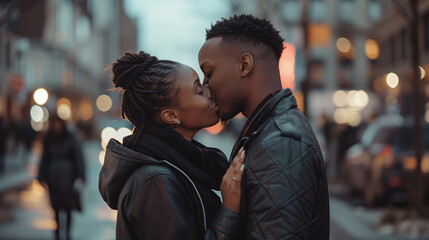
[(62, 172), (160, 179), (284, 188)]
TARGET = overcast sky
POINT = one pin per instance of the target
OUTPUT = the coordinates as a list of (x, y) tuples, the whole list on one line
[(175, 29)]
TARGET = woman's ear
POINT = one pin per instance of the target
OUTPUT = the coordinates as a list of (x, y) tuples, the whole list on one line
[(169, 116), (246, 64)]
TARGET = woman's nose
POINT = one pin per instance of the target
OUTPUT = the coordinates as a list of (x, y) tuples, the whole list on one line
[(209, 91)]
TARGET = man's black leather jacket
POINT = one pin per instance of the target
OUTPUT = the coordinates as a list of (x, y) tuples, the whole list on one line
[(285, 193)]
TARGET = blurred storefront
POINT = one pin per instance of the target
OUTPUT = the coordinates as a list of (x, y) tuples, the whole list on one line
[(62, 47), (330, 38), (394, 79)]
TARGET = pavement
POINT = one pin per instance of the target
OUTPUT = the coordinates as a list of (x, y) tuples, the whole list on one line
[(25, 211), (19, 168)]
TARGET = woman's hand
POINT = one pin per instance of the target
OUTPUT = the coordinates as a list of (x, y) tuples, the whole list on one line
[(231, 183)]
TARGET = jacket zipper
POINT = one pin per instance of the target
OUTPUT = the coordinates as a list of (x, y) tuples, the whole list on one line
[(196, 190)]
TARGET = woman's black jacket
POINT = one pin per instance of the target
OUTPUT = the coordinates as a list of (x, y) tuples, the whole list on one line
[(157, 200)]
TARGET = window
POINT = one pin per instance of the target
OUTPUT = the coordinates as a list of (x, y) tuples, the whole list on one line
[(317, 10), (347, 10), (374, 10), (292, 10)]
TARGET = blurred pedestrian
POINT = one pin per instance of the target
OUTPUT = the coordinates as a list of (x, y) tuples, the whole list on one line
[(325, 125), (62, 171), (347, 137), (160, 180), (285, 193)]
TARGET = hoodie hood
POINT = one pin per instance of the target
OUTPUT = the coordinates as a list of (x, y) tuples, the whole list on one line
[(119, 163)]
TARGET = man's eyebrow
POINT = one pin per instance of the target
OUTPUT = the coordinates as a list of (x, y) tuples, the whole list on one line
[(202, 66)]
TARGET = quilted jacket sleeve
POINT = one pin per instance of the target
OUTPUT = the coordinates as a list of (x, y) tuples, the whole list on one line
[(280, 189)]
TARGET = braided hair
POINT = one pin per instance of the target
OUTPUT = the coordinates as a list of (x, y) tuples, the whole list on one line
[(247, 28), (147, 83)]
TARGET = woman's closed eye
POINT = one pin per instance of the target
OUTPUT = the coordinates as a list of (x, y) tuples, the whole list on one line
[(200, 91)]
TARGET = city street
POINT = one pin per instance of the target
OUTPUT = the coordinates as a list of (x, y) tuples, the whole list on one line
[(25, 212), (357, 70)]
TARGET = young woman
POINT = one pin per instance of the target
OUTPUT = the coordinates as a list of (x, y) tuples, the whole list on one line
[(160, 180)]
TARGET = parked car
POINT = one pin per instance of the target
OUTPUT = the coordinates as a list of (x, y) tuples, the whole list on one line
[(382, 165)]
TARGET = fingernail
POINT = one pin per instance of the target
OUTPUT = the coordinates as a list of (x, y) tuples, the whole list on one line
[(241, 149), (242, 153), (242, 167)]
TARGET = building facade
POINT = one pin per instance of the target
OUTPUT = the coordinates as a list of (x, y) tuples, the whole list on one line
[(330, 37), (62, 46), (393, 32)]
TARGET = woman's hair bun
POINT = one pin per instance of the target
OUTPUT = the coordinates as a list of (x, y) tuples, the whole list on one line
[(127, 69)]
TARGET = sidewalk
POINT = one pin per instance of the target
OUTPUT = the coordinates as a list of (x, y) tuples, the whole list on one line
[(20, 169)]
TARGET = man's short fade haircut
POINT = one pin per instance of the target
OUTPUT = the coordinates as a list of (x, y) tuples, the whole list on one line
[(247, 28)]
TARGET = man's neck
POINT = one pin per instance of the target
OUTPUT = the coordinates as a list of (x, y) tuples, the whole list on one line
[(257, 95)]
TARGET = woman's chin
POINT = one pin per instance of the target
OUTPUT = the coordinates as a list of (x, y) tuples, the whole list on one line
[(213, 123)]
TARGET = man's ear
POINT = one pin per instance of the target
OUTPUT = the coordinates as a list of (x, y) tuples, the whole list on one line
[(245, 64), (169, 116)]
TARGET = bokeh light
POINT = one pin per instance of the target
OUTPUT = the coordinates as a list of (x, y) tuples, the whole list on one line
[(64, 111), (45, 114), (64, 101), (392, 80), (361, 99), (340, 115), (85, 110), (347, 116), (108, 133), (344, 45), (37, 113), (340, 98), (41, 96), (422, 72), (122, 132), (351, 98), (371, 49), (101, 156), (104, 103), (37, 126)]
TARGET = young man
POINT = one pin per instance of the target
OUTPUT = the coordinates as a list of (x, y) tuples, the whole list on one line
[(284, 188)]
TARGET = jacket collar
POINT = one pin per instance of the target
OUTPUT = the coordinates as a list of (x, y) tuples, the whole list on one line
[(268, 108)]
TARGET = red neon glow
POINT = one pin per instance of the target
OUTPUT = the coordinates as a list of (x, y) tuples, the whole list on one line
[(287, 66)]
